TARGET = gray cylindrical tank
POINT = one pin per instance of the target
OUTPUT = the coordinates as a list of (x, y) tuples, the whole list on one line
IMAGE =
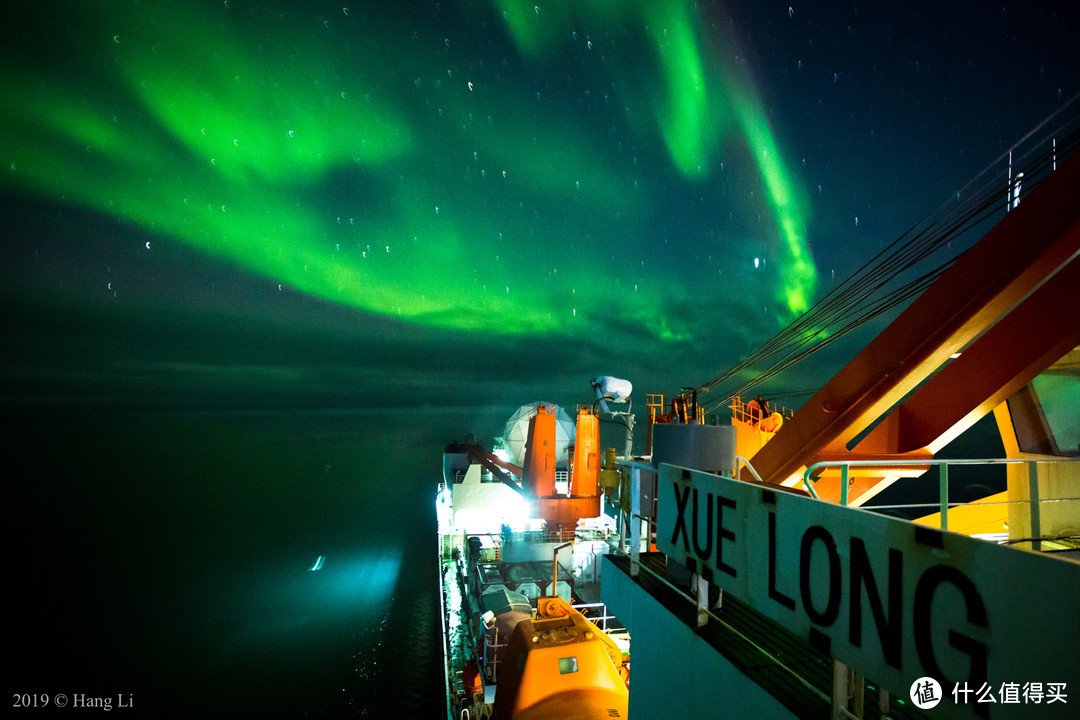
[(710, 448)]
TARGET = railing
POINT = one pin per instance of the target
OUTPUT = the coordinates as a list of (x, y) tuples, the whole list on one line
[(847, 683), (637, 470), (741, 462), (943, 482), (491, 654), (741, 411), (1033, 502), (635, 517), (602, 620)]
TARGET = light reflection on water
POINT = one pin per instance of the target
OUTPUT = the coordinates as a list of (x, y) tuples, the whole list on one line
[(345, 585), (169, 557)]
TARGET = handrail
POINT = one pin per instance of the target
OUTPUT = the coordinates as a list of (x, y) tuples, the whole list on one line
[(602, 618), (943, 464), (740, 461), (704, 612), (764, 653), (636, 467), (635, 464), (740, 412)]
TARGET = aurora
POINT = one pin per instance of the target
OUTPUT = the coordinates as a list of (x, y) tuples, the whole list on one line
[(398, 172)]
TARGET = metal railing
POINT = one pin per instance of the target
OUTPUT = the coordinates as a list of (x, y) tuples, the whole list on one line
[(491, 653), (741, 462), (846, 682), (602, 620), (637, 469), (741, 410), (636, 516), (1033, 502)]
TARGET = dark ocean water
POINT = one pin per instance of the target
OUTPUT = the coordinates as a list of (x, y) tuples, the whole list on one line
[(165, 559)]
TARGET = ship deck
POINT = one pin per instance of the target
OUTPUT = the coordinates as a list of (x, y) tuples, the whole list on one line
[(796, 674)]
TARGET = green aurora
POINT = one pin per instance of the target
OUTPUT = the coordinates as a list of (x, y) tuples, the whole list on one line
[(395, 171)]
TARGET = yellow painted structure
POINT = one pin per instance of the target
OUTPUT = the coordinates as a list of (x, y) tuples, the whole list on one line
[(986, 516), (1055, 484)]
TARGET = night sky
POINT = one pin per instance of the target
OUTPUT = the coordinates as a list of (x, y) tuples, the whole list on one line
[(466, 202), (260, 261)]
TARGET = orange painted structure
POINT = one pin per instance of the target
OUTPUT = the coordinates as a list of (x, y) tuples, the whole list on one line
[(1007, 306), (539, 477), (559, 660), (586, 455), (561, 512), (751, 430)]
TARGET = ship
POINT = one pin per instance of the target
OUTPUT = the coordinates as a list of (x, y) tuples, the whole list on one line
[(522, 531), (746, 568)]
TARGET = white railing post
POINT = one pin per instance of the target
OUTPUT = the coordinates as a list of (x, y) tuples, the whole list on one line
[(839, 690), (635, 521), (702, 600)]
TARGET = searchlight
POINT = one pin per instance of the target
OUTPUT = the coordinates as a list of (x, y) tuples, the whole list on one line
[(611, 388), (616, 390)]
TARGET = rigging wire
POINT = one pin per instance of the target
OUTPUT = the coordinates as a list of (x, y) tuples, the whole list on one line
[(865, 295)]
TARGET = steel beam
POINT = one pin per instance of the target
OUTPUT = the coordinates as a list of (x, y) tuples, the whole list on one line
[(1029, 245)]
